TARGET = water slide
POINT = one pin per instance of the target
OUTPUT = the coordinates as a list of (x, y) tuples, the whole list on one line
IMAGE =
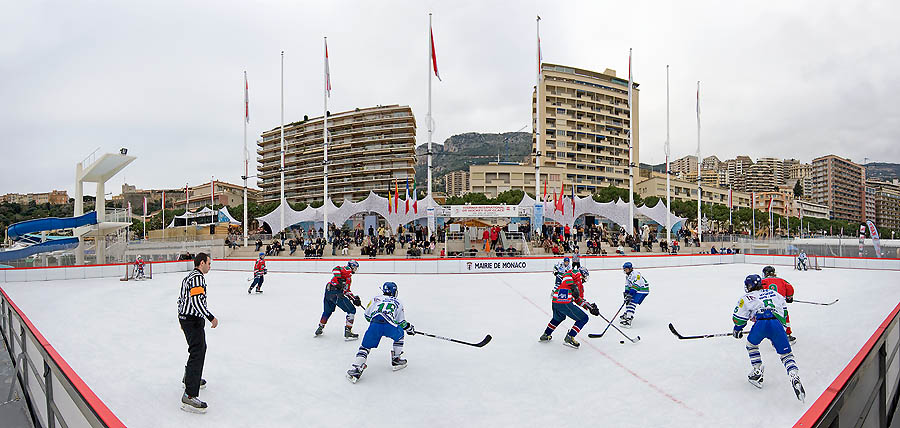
[(25, 232)]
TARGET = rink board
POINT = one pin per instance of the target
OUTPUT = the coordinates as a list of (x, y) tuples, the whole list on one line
[(265, 369)]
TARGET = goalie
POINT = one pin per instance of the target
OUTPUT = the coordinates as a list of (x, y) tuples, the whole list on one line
[(139, 269)]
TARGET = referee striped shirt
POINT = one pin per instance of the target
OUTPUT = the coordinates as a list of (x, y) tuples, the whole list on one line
[(193, 296)]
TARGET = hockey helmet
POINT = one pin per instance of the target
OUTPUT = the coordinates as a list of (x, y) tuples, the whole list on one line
[(627, 265), (353, 265), (584, 274), (262, 254), (566, 260), (389, 289), (139, 257), (768, 272), (752, 282)]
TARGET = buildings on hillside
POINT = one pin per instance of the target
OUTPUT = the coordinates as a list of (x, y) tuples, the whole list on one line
[(53, 197), (368, 149), (212, 192), (456, 183)]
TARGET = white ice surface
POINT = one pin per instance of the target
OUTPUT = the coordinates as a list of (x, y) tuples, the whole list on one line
[(265, 369)]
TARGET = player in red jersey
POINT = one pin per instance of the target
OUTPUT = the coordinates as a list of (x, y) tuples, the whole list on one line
[(338, 295), (782, 287)]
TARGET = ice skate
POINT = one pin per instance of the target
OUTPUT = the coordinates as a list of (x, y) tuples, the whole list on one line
[(756, 376), (354, 373), (791, 339), (397, 363), (545, 338), (626, 322), (202, 384), (350, 335), (320, 330), (192, 404), (258, 290), (570, 341), (250, 291), (798, 387)]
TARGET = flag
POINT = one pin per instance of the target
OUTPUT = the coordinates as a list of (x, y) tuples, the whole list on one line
[(246, 99), (555, 203), (164, 201), (573, 199), (327, 72), (876, 240), (540, 57), (434, 55), (390, 208), (730, 199), (545, 191), (407, 195), (396, 197), (145, 206), (415, 198)]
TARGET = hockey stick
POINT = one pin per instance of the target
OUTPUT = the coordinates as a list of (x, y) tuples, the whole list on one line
[(702, 336), (817, 303), (595, 335), (635, 340), (477, 345)]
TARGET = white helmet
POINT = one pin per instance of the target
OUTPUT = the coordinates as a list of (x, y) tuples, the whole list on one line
[(138, 257)]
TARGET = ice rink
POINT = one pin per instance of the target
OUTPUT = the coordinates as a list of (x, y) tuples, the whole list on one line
[(265, 368)]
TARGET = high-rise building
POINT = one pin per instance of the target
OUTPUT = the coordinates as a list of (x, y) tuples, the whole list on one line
[(711, 163), (735, 170), (839, 184), (457, 183), (786, 165), (585, 123), (777, 168), (760, 177), (684, 166), (887, 204), (368, 149)]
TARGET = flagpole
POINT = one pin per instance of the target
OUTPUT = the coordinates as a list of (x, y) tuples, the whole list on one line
[(164, 215), (282, 201), (699, 188), (212, 198), (668, 185), (537, 120), (430, 130), (753, 213), (246, 157), (631, 230), (144, 218), (325, 147)]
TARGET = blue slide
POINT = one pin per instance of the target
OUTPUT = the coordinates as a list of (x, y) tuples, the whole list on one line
[(25, 232)]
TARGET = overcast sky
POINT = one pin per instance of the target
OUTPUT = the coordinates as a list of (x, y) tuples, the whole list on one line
[(165, 78)]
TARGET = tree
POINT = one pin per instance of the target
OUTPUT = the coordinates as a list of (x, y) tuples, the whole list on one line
[(798, 190)]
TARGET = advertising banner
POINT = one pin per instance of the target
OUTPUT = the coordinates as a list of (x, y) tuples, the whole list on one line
[(484, 211)]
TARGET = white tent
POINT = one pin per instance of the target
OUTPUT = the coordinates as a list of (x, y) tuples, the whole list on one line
[(203, 216), (617, 212)]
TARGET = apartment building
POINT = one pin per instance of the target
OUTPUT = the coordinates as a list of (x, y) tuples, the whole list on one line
[(839, 184), (681, 190), (803, 208), (495, 178), (457, 183), (584, 124), (684, 166), (368, 150), (887, 204), (213, 192), (54, 197)]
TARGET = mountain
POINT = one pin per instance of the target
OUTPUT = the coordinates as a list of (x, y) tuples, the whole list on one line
[(658, 168), (460, 151), (882, 170)]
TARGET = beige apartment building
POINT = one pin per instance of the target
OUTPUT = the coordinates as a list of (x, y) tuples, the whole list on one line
[(457, 183), (782, 202), (495, 178), (839, 184), (585, 123), (803, 208), (368, 150), (684, 166), (682, 190), (53, 197), (218, 192), (887, 204)]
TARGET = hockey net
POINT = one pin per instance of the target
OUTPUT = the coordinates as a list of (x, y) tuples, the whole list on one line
[(132, 274), (812, 262)]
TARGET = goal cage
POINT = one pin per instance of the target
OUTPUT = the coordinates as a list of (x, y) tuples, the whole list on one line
[(131, 271), (812, 262)]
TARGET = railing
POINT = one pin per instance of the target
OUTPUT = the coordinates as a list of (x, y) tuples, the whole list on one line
[(55, 395), (866, 392)]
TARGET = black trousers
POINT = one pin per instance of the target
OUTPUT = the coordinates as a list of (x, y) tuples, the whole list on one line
[(196, 339)]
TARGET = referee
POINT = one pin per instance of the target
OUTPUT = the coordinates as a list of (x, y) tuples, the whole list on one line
[(191, 313)]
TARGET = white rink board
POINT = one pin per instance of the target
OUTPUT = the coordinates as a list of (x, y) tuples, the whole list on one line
[(265, 369)]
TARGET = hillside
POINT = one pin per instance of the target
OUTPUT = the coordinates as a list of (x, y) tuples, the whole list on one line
[(883, 170), (460, 151)]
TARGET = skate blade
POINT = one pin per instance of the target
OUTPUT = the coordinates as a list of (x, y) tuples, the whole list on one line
[(395, 368), (800, 392), (352, 379), (570, 345), (191, 409), (349, 339), (757, 384)]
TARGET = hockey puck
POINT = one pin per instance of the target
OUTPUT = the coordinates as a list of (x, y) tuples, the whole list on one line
[(622, 342)]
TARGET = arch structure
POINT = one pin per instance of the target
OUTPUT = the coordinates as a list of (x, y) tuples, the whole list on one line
[(617, 212), (338, 215)]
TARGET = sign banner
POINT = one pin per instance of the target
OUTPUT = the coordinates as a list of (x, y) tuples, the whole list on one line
[(484, 211), (538, 222), (493, 265), (876, 240), (430, 212)]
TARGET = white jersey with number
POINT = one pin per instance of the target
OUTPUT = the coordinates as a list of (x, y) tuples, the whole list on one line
[(759, 304), (635, 281), (386, 307)]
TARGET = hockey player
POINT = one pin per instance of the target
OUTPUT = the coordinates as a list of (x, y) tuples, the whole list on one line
[(337, 294), (785, 289), (802, 261), (560, 269), (636, 289), (259, 272), (769, 310), (139, 268), (386, 319), (567, 297)]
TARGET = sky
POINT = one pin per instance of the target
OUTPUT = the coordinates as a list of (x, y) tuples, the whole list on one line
[(787, 79)]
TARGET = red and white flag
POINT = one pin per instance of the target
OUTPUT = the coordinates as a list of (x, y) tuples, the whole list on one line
[(415, 198), (730, 200), (327, 72), (246, 99), (433, 54), (407, 196), (145, 206), (164, 201)]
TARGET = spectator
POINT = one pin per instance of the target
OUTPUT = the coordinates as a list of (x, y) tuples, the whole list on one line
[(258, 244)]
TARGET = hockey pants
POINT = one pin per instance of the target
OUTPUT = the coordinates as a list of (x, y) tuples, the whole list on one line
[(563, 310)]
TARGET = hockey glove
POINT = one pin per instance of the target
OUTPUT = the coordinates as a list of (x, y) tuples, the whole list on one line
[(789, 299), (737, 333), (410, 330), (356, 300), (594, 310)]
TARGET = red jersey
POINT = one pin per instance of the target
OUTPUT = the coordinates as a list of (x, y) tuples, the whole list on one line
[(341, 274), (781, 286), (579, 284), (259, 269), (566, 291)]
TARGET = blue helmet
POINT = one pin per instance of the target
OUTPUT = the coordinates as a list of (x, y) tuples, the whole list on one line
[(389, 289), (752, 282), (627, 265), (353, 264), (566, 259), (262, 254)]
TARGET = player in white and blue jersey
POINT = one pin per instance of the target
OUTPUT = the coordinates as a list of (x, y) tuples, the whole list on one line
[(636, 289), (768, 310), (560, 269), (386, 319)]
